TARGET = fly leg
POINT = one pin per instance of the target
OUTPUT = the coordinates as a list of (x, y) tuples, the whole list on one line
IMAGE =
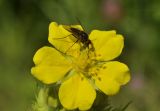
[(71, 46)]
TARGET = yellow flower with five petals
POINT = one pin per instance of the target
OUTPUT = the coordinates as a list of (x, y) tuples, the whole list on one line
[(79, 72)]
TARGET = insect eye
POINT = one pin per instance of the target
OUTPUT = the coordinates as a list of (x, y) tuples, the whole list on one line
[(83, 34)]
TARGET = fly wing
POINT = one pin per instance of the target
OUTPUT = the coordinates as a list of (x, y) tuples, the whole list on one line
[(69, 29)]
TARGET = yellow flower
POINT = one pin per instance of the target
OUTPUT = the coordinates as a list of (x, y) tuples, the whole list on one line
[(79, 72)]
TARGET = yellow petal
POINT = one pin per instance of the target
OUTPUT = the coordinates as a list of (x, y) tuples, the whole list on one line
[(107, 44), (50, 65), (111, 76), (61, 38), (77, 92)]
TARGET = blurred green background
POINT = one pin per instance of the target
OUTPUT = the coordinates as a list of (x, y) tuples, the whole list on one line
[(24, 29)]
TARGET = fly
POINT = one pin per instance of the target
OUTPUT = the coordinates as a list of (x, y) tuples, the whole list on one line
[(82, 37)]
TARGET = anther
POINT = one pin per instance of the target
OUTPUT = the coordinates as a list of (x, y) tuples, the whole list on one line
[(99, 78), (98, 54), (97, 69), (92, 74), (82, 78)]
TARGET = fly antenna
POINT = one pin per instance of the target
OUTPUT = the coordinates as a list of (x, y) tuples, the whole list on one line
[(79, 22)]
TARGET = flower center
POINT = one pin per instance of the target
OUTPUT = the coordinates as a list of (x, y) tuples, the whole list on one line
[(81, 62), (87, 65)]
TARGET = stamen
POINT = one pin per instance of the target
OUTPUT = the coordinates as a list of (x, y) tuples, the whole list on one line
[(82, 78), (97, 69), (104, 67), (98, 54), (99, 79)]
